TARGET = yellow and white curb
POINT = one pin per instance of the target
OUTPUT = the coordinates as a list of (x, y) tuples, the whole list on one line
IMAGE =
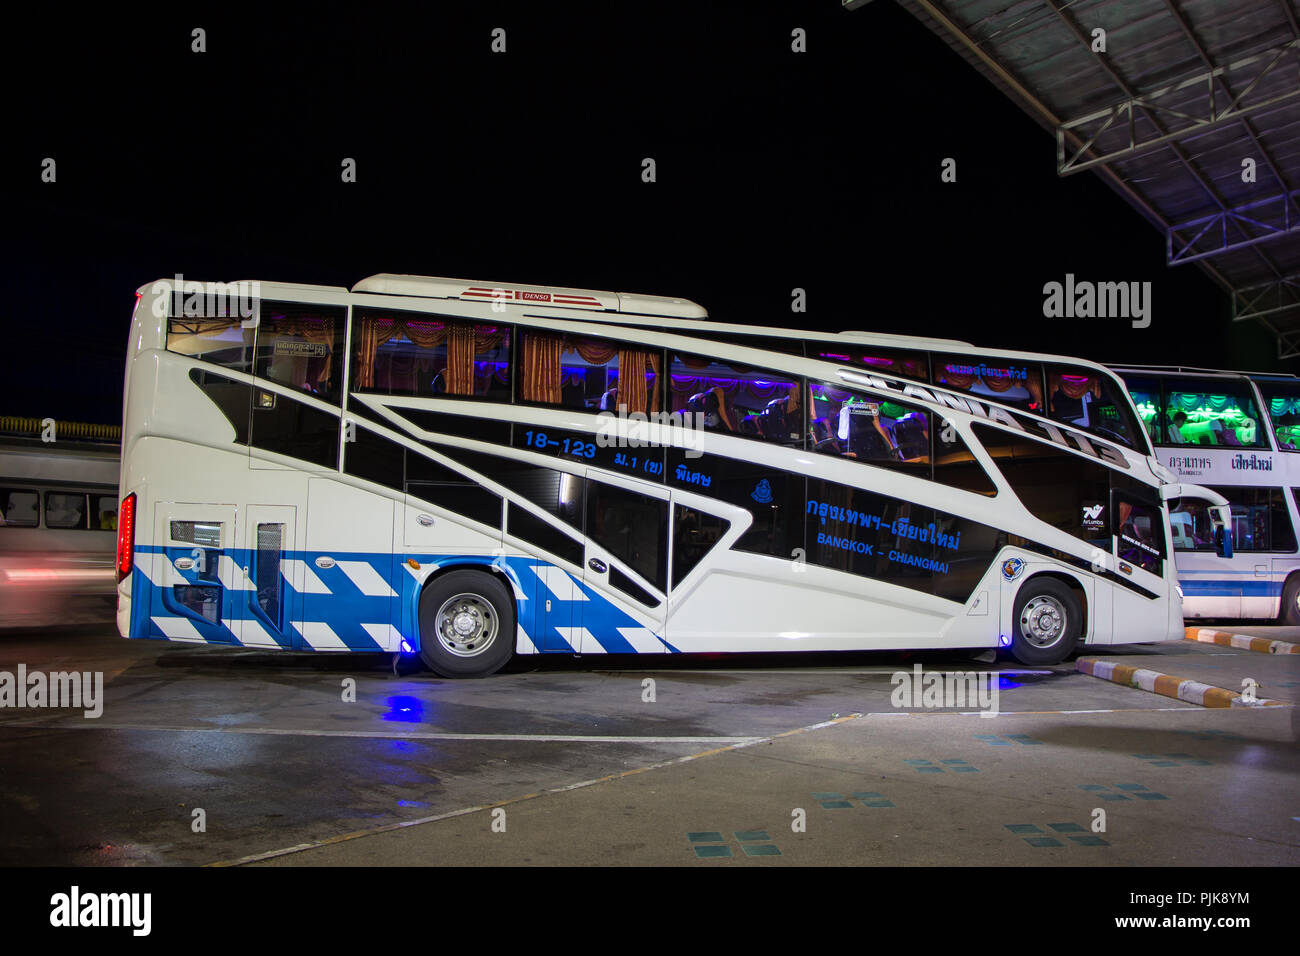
[(1244, 642), (1179, 688)]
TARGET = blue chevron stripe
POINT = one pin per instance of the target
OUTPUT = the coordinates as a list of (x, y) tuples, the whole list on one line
[(346, 608)]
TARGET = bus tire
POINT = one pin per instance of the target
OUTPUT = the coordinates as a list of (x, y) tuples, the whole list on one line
[(467, 624), (1046, 622), (1289, 613)]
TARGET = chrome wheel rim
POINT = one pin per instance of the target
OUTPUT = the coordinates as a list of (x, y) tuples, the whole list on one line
[(466, 625), (1042, 621)]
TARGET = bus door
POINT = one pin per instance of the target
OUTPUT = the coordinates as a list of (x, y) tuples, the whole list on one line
[(625, 567), (196, 584), (270, 601)]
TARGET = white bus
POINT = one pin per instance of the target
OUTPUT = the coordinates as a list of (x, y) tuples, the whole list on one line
[(1238, 433), (422, 465), (58, 517)]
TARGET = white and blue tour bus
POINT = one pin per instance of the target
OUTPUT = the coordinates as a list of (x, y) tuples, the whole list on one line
[(472, 471), (1239, 434)]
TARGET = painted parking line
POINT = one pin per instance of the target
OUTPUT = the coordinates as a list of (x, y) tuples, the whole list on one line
[(1244, 642), (582, 784), (388, 734), (1179, 688)]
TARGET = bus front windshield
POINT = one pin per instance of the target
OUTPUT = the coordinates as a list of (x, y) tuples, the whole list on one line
[(1093, 401)]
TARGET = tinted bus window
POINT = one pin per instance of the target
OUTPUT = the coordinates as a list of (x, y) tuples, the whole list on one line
[(301, 346), (1283, 403), (1012, 383), (1191, 527), (775, 498), (1146, 395), (221, 341), (1087, 399), (1260, 522), (632, 527), (1217, 412), (19, 508), (694, 535), (65, 510), (1139, 532), (1066, 491), (588, 373), (407, 353), (745, 401), (915, 365), (864, 428)]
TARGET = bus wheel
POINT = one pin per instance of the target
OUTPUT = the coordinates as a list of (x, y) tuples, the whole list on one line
[(1291, 601), (467, 624), (1047, 622)]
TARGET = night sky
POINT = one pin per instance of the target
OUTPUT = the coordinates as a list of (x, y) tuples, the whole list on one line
[(775, 170)]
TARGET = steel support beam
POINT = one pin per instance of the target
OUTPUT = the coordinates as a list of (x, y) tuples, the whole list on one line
[(1236, 228), (1210, 114), (1267, 298)]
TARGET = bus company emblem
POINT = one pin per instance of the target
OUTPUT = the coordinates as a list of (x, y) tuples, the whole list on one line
[(1012, 568), (762, 492), (1092, 517)]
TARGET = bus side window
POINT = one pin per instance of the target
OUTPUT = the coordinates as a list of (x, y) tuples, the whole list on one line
[(632, 527), (103, 512), (845, 423), (301, 346), (65, 510), (1139, 539), (694, 535), (750, 402), (19, 508)]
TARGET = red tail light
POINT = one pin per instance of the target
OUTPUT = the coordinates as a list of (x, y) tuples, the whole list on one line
[(126, 537)]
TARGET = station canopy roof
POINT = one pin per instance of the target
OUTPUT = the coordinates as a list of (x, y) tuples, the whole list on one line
[(1185, 93)]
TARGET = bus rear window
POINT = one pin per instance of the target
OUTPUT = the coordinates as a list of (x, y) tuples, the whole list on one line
[(221, 341)]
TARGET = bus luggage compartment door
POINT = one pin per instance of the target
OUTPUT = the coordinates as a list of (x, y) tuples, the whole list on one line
[(269, 602), (194, 579)]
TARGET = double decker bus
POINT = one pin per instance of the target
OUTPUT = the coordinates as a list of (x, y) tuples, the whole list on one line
[(1238, 433), (472, 471)]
